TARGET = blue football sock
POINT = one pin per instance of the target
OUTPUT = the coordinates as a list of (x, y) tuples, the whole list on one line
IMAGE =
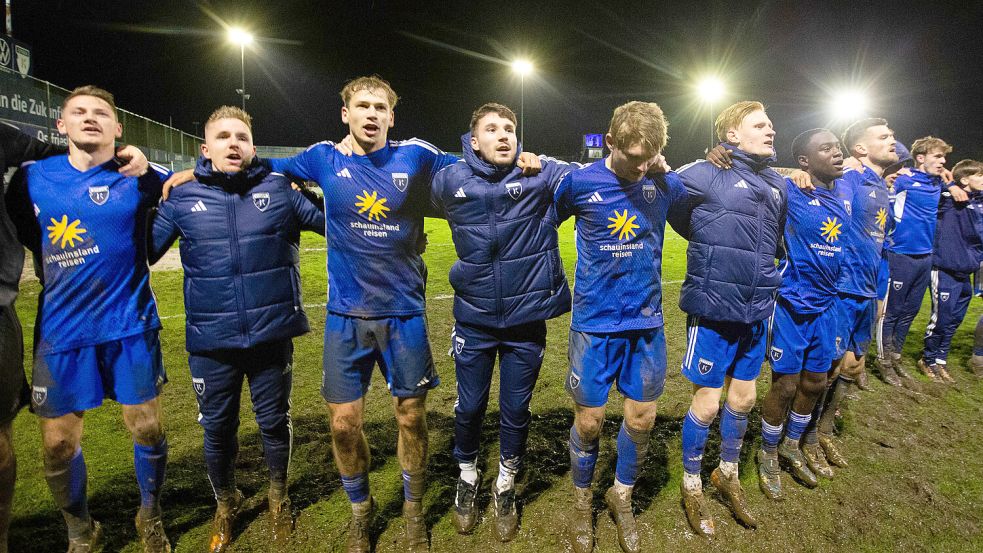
[(583, 457), (733, 426), (812, 435), (770, 435), (694, 441), (632, 446), (68, 488), (797, 424), (414, 485), (150, 462), (356, 486)]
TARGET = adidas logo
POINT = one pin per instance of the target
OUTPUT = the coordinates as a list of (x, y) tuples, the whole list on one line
[(814, 202), (872, 194), (199, 206), (595, 197), (343, 174), (460, 193), (740, 184)]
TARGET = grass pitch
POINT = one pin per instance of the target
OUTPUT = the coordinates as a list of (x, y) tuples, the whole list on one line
[(915, 482)]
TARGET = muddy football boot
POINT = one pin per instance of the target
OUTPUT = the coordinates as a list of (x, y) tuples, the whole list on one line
[(581, 525), (281, 521), (943, 373), (795, 462), (833, 454), (506, 517), (225, 518), (976, 364), (90, 542), (697, 511), (732, 492), (888, 374), (465, 513), (152, 536), (898, 363), (862, 381), (415, 531), (928, 370), (358, 529), (620, 511), (816, 460), (769, 475)]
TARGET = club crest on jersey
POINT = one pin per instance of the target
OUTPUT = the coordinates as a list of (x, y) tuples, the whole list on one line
[(261, 200), (401, 181), (648, 192), (849, 208), (944, 296), (898, 284), (515, 189), (458, 344), (39, 395), (99, 194), (199, 385), (776, 353), (704, 366)]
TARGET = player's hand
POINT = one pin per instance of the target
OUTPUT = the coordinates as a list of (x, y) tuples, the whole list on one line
[(851, 162), (529, 163), (177, 179), (719, 157), (801, 179), (136, 162), (344, 146), (958, 194), (947, 176), (659, 166)]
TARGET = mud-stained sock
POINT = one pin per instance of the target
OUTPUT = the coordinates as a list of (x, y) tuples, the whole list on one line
[(583, 457), (506, 477), (770, 436), (694, 438), (733, 426), (150, 464), (68, 488), (797, 423), (356, 486), (414, 485), (469, 472)]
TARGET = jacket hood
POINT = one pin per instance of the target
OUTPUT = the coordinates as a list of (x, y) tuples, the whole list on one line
[(479, 165), (755, 162), (242, 180)]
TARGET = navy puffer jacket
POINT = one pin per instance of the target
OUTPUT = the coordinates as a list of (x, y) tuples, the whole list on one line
[(508, 270), (240, 236), (736, 221)]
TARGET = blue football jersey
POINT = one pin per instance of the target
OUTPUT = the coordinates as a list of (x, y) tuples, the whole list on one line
[(374, 206), (88, 234), (814, 238), (863, 238), (915, 208), (620, 230)]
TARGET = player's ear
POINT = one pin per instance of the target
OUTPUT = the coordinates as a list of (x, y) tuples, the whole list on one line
[(474, 143), (204, 151), (119, 130), (609, 141), (733, 137), (60, 125), (344, 114), (803, 162), (392, 119)]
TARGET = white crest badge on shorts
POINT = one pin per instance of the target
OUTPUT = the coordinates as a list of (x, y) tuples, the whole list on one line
[(776, 353), (261, 200), (39, 395), (199, 385), (944, 296), (574, 381), (648, 192), (898, 284), (514, 189), (849, 208), (458, 344), (704, 366), (99, 194), (401, 181)]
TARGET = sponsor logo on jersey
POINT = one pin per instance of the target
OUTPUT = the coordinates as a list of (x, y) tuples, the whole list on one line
[(199, 207), (831, 229), (944, 296), (881, 217), (401, 181), (623, 225), (39, 395), (199, 385), (261, 200), (372, 206), (99, 194), (776, 353), (704, 366), (64, 232), (344, 173), (594, 198), (460, 193), (515, 189), (648, 192)]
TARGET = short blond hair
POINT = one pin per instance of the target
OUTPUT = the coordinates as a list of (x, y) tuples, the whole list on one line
[(95, 91), (966, 168), (640, 123), (928, 144), (371, 83), (230, 112), (732, 117)]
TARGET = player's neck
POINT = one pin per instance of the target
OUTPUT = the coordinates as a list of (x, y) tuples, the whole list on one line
[(365, 148), (84, 160), (873, 166)]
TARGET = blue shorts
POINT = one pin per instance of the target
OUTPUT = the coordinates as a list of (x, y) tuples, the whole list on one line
[(883, 278), (854, 323), (353, 346), (801, 341), (129, 370), (718, 349), (635, 358)]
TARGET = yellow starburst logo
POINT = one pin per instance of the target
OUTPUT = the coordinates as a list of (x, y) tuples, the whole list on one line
[(881, 218), (66, 232), (831, 229), (623, 224), (372, 203)]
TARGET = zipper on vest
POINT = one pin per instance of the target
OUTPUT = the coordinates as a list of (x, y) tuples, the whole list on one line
[(236, 267)]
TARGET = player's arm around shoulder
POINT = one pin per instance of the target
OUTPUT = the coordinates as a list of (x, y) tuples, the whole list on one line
[(164, 225), (20, 208), (308, 214), (699, 177)]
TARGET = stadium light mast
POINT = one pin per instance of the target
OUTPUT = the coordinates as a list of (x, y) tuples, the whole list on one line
[(710, 90), (242, 38), (522, 68)]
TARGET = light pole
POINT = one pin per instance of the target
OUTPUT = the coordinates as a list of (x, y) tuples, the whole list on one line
[(523, 68), (242, 38), (710, 89), (848, 105)]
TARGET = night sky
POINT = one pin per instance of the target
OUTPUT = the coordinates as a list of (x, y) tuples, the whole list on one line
[(921, 63)]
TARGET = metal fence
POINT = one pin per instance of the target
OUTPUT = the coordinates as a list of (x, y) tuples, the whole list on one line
[(34, 106)]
